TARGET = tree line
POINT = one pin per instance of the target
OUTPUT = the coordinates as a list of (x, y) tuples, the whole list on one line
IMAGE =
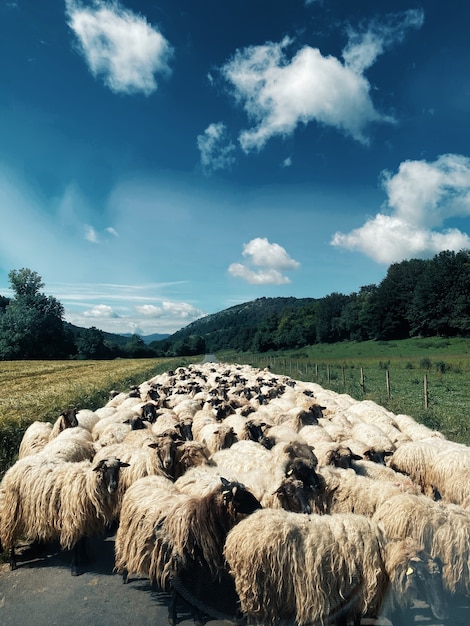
[(417, 298)]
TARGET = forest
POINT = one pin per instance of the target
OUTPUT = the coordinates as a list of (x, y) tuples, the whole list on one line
[(417, 298)]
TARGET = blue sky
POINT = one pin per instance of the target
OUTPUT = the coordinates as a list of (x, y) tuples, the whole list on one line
[(163, 160)]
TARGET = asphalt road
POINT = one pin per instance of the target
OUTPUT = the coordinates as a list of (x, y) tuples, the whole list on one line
[(42, 592)]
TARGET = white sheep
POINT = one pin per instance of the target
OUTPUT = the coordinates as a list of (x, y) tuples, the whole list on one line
[(39, 433), (164, 533), (312, 569), (57, 501), (443, 530)]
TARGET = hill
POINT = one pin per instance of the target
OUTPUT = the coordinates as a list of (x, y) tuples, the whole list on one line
[(233, 327)]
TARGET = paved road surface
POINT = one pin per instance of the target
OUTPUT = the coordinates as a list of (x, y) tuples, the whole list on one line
[(42, 592)]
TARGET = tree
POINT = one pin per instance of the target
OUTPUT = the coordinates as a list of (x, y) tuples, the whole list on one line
[(31, 325)]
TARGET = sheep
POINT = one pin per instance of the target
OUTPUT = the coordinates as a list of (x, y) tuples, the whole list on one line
[(39, 433), (164, 534), (87, 419), (72, 445), (344, 491), (369, 469), (443, 530), (216, 436), (312, 569), (57, 501), (415, 459), (35, 438)]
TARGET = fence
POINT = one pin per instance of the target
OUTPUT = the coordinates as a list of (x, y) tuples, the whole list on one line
[(341, 376)]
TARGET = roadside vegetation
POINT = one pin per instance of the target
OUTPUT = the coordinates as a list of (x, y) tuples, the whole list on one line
[(41, 390)]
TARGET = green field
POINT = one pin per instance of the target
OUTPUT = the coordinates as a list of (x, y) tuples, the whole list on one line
[(360, 369)]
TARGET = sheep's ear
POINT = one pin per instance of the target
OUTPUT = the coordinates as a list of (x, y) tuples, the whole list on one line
[(224, 481), (388, 452), (153, 445), (100, 465), (356, 457), (123, 464)]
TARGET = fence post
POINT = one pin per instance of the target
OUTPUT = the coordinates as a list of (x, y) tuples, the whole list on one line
[(387, 382), (328, 376), (363, 382), (343, 376), (426, 395)]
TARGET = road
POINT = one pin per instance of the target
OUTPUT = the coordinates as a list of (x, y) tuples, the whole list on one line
[(42, 592)]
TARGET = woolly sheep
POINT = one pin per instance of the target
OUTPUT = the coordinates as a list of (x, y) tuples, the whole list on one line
[(443, 530), (415, 459), (39, 433), (164, 533), (345, 491), (57, 501), (369, 469), (311, 569)]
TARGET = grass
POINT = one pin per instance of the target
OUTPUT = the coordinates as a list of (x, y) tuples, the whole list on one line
[(444, 362), (41, 390)]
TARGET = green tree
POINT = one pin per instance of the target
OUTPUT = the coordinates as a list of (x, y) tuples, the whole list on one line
[(31, 325)]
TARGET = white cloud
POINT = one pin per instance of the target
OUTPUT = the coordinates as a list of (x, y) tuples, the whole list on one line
[(101, 311), (279, 93), (217, 151), (421, 197), (112, 231), (119, 46), (90, 234), (269, 261), (287, 162), (259, 277), (366, 44)]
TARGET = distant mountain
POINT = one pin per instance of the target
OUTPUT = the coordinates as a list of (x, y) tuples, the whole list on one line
[(149, 338)]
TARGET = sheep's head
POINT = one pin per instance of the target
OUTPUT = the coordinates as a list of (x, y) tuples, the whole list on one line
[(303, 471), (108, 470), (69, 418), (293, 495), (420, 578), (238, 497), (165, 447), (377, 456), (342, 457)]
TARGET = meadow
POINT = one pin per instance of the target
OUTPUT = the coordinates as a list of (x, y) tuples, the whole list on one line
[(41, 390)]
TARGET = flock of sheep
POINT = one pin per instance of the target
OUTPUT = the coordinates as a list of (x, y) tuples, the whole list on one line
[(306, 506)]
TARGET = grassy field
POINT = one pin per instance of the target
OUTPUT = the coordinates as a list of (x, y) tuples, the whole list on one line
[(41, 390), (361, 370)]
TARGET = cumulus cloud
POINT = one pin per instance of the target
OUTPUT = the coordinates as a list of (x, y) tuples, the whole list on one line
[(216, 148), (101, 311), (266, 262), (278, 93), (169, 309), (119, 46), (421, 197)]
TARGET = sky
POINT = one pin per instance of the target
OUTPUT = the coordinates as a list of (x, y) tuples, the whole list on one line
[(165, 160)]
